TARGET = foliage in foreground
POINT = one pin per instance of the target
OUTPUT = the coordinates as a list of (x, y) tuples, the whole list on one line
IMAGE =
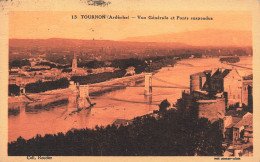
[(174, 134)]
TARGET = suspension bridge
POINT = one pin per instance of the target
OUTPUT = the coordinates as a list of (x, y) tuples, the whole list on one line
[(83, 91), (81, 95), (244, 67)]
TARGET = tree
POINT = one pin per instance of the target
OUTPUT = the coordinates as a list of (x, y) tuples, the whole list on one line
[(164, 105), (173, 134), (13, 89), (208, 138)]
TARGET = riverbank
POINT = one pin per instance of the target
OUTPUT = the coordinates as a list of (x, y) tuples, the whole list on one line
[(59, 94)]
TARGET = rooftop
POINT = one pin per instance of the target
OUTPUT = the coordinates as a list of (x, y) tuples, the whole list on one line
[(122, 121), (243, 146), (202, 74), (246, 120), (248, 77), (220, 74), (235, 113), (235, 120)]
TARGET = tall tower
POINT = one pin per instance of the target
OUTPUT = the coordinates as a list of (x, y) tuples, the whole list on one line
[(148, 84), (74, 64)]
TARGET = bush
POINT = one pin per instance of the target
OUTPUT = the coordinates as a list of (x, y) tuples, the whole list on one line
[(95, 64), (18, 63), (97, 78), (13, 89), (90, 71), (164, 105), (45, 86), (66, 70)]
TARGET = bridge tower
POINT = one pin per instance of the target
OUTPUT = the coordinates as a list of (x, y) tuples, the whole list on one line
[(84, 100), (148, 84), (22, 89), (73, 96)]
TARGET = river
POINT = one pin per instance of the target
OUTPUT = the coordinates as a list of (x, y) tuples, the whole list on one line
[(120, 104)]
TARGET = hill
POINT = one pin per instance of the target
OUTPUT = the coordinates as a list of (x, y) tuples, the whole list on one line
[(75, 43), (213, 38)]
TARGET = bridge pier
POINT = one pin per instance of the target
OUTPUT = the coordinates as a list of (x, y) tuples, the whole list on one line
[(148, 84), (84, 99), (73, 86), (22, 89), (73, 97)]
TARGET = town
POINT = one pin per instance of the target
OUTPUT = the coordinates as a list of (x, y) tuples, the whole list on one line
[(220, 94)]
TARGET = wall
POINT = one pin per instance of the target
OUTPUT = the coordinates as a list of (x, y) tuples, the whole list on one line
[(194, 83), (233, 85), (236, 134), (203, 81), (211, 109), (245, 93), (227, 121)]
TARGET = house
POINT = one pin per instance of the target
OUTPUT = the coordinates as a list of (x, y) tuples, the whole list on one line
[(231, 118), (240, 132), (239, 150), (124, 122), (244, 127), (238, 126), (15, 70), (41, 67), (229, 82)]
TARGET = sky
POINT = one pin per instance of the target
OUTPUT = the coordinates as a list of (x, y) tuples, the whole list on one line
[(55, 24)]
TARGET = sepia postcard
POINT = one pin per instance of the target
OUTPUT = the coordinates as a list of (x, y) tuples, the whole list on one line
[(114, 80)]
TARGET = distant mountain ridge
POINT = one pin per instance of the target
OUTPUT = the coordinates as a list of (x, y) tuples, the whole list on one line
[(208, 37), (68, 43)]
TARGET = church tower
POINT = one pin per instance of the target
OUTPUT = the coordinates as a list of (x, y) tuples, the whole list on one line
[(74, 64)]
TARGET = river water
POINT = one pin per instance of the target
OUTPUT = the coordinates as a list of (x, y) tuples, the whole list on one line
[(120, 104)]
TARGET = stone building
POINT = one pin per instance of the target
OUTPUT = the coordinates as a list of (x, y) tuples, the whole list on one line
[(226, 82), (232, 117), (215, 90), (247, 90), (244, 129)]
